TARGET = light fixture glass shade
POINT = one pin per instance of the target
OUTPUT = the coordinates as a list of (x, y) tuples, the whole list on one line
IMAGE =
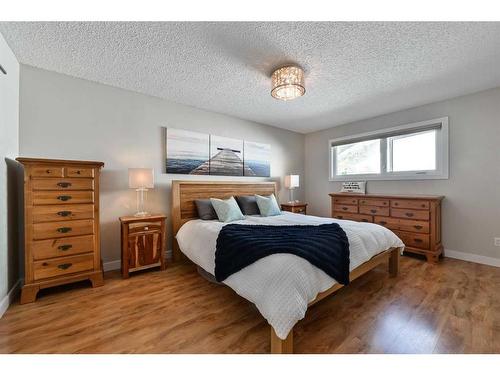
[(292, 181), (288, 83), (141, 178)]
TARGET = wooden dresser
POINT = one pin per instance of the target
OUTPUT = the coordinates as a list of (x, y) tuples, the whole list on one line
[(61, 224), (415, 219)]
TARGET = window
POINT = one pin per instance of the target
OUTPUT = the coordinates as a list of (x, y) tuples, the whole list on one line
[(414, 151)]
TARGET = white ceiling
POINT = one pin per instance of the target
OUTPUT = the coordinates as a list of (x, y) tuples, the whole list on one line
[(353, 70)]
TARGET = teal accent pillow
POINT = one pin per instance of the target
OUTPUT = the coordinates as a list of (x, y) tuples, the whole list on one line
[(227, 209), (268, 206)]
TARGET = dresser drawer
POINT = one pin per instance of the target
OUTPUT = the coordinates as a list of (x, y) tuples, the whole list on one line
[(62, 229), (414, 226), (79, 172), (354, 217), (47, 172), (388, 222), (58, 197), (413, 204), (62, 212), (410, 214), (44, 269), (345, 200), (45, 249), (420, 241), (374, 202), (63, 184), (143, 227), (374, 210), (346, 208)]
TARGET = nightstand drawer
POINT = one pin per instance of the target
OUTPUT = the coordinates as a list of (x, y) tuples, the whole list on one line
[(138, 228)]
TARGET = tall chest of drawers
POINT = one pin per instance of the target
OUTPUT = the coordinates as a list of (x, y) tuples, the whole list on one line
[(415, 219), (61, 224)]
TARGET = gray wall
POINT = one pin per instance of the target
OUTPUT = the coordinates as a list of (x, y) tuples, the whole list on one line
[(471, 210), (70, 118), (9, 147)]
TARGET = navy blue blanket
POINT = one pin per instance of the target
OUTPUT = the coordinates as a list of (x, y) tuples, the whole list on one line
[(325, 246)]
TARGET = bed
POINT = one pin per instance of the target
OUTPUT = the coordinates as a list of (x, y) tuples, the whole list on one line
[(281, 286)]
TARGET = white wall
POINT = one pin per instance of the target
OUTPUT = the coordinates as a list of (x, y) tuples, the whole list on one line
[(9, 147), (471, 209), (70, 118)]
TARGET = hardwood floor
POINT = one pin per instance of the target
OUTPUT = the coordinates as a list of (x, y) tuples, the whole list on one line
[(452, 307)]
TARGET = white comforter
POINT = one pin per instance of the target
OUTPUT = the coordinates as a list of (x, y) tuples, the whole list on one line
[(282, 285)]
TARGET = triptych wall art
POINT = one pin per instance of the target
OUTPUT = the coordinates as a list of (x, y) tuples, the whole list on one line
[(203, 154)]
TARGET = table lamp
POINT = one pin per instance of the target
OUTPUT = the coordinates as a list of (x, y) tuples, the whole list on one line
[(141, 179), (292, 182)]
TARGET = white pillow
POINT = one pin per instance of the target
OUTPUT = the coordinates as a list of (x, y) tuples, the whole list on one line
[(268, 206)]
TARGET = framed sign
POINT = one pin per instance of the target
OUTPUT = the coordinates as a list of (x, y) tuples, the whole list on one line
[(354, 187)]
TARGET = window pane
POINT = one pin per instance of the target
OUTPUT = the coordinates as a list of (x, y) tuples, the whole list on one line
[(358, 158), (413, 152)]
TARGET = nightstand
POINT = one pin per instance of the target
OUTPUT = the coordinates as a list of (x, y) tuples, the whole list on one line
[(295, 207), (143, 243)]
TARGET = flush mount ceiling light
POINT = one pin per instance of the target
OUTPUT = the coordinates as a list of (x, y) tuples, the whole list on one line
[(288, 83)]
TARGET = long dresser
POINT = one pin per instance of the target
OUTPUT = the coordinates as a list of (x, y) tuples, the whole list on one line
[(413, 218), (61, 224)]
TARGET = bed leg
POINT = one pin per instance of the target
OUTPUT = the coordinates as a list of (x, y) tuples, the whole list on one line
[(279, 346), (394, 263)]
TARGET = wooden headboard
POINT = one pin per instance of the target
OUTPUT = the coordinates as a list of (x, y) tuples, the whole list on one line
[(185, 192)]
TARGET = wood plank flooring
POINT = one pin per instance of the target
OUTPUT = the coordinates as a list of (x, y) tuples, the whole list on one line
[(452, 307)]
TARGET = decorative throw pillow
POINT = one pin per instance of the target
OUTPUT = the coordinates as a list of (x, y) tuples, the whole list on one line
[(227, 209), (248, 204), (205, 209), (268, 206)]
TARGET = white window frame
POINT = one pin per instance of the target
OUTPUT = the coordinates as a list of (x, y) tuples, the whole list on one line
[(442, 158)]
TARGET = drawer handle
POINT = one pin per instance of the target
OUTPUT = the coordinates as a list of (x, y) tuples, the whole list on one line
[(48, 171), (418, 227), (78, 172), (64, 266), (383, 222), (146, 228), (65, 247), (373, 211), (364, 220), (64, 184), (64, 198), (409, 214), (64, 229), (418, 240), (423, 205), (345, 208), (396, 204), (64, 213)]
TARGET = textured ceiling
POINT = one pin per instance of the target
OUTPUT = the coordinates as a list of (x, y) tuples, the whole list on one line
[(353, 70)]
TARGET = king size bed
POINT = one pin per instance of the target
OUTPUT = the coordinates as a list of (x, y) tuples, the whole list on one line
[(281, 285)]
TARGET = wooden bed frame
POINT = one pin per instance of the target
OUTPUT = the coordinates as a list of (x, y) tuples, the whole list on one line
[(183, 209)]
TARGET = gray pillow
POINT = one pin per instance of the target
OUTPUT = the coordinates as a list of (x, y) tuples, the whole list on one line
[(248, 204), (205, 209)]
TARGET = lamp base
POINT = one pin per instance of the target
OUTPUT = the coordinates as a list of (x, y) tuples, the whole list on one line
[(142, 214)]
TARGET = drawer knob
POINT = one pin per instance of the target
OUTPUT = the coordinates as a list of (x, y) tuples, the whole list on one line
[(418, 227), (64, 229), (78, 172), (409, 214), (64, 213), (396, 204), (383, 222), (64, 184), (373, 211), (64, 198), (423, 205), (65, 247), (364, 220), (64, 266), (48, 171), (146, 228), (344, 208)]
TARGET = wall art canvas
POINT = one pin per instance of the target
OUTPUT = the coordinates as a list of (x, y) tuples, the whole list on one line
[(256, 159), (187, 152), (190, 152)]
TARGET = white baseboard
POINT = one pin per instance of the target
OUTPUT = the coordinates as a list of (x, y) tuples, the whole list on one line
[(481, 259), (117, 264), (9, 297)]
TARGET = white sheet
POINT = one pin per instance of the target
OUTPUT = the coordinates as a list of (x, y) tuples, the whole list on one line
[(282, 285)]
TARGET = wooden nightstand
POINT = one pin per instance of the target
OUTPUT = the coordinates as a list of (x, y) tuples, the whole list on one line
[(296, 207), (143, 243)]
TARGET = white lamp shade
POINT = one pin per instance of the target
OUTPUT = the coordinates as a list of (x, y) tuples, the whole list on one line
[(141, 178), (292, 181)]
